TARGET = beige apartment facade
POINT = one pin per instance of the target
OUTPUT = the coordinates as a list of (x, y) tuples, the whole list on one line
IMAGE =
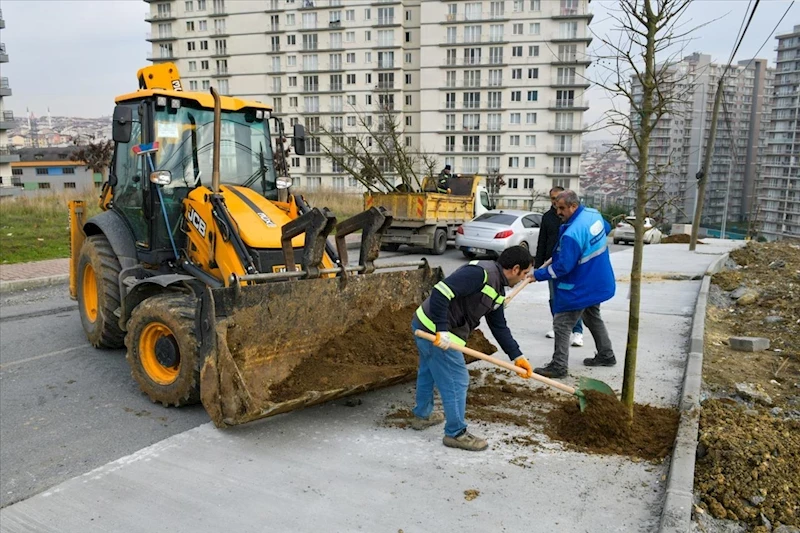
[(489, 87)]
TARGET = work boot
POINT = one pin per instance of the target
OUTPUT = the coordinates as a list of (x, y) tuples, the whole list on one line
[(600, 361), (551, 370), (424, 423), (550, 334), (576, 339), (466, 441)]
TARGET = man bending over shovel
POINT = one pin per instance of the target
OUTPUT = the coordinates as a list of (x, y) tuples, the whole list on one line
[(452, 311), (581, 272)]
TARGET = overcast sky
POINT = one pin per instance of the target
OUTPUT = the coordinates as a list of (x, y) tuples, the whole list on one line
[(76, 56)]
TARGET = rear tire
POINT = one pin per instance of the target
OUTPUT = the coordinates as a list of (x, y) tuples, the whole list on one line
[(524, 244), (468, 255), (390, 247), (439, 242), (616, 241), (98, 292), (163, 349)]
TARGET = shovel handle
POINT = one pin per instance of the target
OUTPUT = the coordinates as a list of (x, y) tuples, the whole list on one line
[(508, 366), (521, 285)]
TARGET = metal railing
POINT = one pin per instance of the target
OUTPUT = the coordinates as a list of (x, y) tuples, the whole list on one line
[(8, 115)]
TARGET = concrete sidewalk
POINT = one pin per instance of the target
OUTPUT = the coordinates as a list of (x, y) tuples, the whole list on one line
[(335, 468)]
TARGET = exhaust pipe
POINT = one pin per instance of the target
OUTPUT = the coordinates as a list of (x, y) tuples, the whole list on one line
[(217, 135)]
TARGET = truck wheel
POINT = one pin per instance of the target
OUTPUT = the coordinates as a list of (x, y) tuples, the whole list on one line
[(390, 247), (163, 349), (98, 292), (439, 242)]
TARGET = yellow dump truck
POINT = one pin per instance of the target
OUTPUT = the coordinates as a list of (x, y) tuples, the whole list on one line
[(430, 219)]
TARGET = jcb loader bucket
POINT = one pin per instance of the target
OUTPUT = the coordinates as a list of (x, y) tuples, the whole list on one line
[(271, 346)]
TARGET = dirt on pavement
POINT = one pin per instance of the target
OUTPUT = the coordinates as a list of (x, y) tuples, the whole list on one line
[(748, 465)]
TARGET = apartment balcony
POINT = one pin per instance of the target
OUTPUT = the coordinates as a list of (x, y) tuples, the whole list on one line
[(161, 56), (3, 53), (160, 17), (5, 88), (219, 32), (569, 82), (7, 120), (7, 154), (388, 21), (159, 37), (220, 52), (575, 104), (561, 172), (2, 21), (219, 12), (472, 18), (566, 13), (570, 38), (563, 150), (570, 60), (310, 88), (335, 24), (553, 127), (386, 86), (220, 73), (273, 5), (159, 1)]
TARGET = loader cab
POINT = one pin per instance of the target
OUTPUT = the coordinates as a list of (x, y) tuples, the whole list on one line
[(172, 132)]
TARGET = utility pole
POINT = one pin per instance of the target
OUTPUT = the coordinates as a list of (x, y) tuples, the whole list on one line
[(702, 176), (727, 196)]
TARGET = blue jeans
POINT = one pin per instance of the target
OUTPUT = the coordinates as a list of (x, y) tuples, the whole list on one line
[(447, 371), (578, 327)]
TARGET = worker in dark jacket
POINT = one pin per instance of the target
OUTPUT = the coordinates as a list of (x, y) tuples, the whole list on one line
[(441, 182), (455, 308), (548, 237), (583, 277)]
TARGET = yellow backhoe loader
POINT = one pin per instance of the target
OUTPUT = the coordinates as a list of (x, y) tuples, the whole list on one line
[(217, 278)]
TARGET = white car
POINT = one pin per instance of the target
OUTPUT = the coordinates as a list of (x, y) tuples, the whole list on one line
[(494, 231), (624, 232)]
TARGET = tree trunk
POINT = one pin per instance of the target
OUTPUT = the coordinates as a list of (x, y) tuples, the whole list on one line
[(648, 90)]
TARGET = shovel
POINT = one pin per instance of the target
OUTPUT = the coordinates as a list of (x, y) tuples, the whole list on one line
[(521, 285), (583, 384)]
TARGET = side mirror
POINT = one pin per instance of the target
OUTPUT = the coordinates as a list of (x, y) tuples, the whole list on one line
[(122, 124), (299, 139), (161, 177), (283, 182)]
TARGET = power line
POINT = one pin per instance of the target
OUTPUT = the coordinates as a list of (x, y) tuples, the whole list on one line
[(741, 38), (770, 36)]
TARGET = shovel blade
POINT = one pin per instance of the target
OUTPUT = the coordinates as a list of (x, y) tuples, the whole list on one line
[(594, 385)]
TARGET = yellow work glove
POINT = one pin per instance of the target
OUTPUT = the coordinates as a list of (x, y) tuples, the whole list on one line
[(443, 340), (523, 363)]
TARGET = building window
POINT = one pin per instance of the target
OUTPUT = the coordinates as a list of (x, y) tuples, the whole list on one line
[(203, 45), (530, 118), (533, 73), (68, 170), (189, 6), (41, 172), (530, 140), (16, 172), (533, 96), (534, 28), (513, 183), (291, 39), (514, 140), (513, 162), (69, 184), (204, 64), (533, 51), (516, 96), (562, 182), (517, 29), (530, 162), (528, 182), (515, 118), (189, 25), (44, 185), (190, 46), (516, 74), (408, 121), (516, 51)]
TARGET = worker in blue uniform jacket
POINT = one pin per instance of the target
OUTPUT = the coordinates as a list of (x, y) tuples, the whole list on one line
[(581, 272)]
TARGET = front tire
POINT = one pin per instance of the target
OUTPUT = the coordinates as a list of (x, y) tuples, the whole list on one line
[(163, 349), (98, 292), (439, 242)]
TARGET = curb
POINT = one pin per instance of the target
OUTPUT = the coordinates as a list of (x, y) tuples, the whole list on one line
[(676, 517), (32, 283)]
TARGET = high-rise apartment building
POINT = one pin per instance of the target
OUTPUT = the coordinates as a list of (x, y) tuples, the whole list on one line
[(779, 192), (489, 87), (6, 119), (678, 142)]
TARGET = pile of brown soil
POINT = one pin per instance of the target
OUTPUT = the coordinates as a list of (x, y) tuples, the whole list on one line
[(605, 427), (678, 238), (373, 349), (749, 457), (748, 464)]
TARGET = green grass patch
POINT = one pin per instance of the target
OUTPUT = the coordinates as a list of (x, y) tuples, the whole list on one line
[(35, 228)]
